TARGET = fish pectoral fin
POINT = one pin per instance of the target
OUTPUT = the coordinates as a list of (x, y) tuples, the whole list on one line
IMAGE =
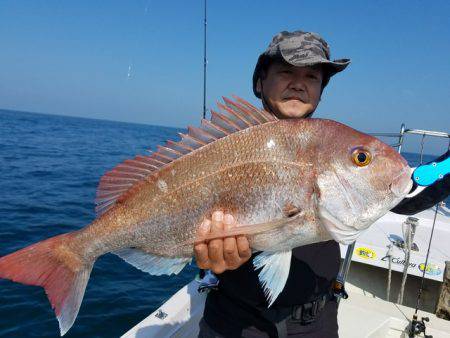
[(274, 272), (251, 229), (152, 264)]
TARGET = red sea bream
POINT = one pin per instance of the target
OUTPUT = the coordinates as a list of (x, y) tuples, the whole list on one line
[(287, 182)]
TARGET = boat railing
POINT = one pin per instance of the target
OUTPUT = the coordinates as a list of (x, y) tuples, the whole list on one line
[(405, 131), (410, 222)]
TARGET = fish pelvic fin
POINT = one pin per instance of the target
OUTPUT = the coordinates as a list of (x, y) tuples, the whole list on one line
[(152, 264), (274, 272), (61, 272)]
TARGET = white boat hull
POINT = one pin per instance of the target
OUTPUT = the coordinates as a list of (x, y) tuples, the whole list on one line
[(178, 317)]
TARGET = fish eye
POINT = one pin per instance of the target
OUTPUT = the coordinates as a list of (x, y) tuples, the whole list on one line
[(361, 157)]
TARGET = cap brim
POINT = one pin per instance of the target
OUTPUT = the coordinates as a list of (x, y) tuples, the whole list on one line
[(336, 66), (333, 67)]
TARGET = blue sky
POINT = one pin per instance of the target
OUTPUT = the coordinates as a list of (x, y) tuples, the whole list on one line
[(73, 57)]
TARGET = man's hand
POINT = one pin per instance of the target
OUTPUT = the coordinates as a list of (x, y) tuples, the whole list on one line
[(221, 254)]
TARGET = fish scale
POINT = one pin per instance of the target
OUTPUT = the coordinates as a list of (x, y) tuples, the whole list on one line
[(219, 193)]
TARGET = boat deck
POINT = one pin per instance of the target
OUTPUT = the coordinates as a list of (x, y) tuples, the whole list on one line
[(359, 316), (364, 316)]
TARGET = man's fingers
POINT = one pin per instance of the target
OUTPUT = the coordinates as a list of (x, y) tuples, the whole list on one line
[(215, 252), (204, 229), (201, 249), (228, 222), (243, 248), (222, 253), (215, 246), (217, 221), (202, 256), (230, 252)]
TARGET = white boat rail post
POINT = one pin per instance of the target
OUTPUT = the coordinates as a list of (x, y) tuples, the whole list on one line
[(388, 287), (409, 230), (400, 138)]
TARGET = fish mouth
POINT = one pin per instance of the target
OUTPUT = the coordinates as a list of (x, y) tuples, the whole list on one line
[(341, 233), (401, 184)]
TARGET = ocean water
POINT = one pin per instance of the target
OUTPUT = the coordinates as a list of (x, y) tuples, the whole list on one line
[(49, 170)]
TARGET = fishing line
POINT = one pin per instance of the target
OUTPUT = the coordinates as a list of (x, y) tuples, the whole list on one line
[(419, 294), (136, 42), (421, 149)]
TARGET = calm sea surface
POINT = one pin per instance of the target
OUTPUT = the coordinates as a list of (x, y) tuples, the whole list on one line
[(49, 170)]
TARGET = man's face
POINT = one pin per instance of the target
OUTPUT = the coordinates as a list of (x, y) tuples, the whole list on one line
[(292, 92)]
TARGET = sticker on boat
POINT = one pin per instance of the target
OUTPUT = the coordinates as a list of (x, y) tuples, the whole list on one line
[(432, 269), (366, 253)]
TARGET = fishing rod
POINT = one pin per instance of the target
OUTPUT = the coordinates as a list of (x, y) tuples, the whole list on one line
[(418, 326), (206, 278), (205, 60)]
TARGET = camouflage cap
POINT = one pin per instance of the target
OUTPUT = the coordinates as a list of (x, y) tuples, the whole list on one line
[(300, 49)]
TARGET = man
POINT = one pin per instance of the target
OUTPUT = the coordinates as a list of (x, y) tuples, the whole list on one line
[(289, 78)]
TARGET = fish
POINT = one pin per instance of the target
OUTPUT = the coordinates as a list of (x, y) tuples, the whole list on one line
[(288, 183)]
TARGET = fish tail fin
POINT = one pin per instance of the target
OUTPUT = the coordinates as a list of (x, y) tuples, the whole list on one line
[(51, 264)]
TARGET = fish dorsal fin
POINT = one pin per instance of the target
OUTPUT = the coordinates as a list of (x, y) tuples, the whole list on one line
[(234, 116)]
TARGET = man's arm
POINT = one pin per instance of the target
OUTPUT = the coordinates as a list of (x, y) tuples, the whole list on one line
[(430, 196), (221, 254)]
